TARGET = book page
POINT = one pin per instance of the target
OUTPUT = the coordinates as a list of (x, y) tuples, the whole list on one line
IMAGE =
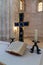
[(17, 47)]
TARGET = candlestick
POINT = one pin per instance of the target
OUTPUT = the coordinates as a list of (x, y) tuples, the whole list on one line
[(35, 43), (36, 35)]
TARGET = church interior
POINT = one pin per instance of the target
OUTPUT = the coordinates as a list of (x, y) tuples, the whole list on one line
[(32, 13)]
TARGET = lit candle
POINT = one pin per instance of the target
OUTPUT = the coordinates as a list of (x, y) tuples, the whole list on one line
[(15, 31), (36, 35)]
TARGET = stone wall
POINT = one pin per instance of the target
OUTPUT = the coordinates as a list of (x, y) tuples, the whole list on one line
[(34, 17), (9, 10), (4, 19), (8, 15), (31, 14)]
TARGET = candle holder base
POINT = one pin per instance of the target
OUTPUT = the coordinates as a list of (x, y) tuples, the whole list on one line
[(12, 40), (35, 45)]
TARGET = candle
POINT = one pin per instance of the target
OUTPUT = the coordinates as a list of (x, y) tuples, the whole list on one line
[(36, 35)]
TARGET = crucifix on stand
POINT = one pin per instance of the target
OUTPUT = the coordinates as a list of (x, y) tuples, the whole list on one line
[(21, 24)]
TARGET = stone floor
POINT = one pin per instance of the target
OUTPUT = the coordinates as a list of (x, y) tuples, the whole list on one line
[(29, 41)]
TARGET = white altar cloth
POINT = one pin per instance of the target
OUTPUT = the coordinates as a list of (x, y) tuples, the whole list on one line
[(26, 59)]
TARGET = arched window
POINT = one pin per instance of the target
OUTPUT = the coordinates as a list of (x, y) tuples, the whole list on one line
[(40, 6), (21, 4)]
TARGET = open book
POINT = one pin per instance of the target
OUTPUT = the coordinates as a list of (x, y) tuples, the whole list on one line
[(17, 47)]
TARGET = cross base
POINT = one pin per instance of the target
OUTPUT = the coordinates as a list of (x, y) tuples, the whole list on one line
[(35, 45)]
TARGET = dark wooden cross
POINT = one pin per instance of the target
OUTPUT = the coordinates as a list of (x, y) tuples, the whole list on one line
[(21, 24)]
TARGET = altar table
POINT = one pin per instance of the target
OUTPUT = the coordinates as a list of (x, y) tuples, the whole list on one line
[(27, 59)]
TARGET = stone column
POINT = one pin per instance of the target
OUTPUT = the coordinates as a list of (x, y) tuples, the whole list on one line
[(4, 19)]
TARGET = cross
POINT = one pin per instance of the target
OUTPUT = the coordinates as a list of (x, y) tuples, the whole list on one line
[(21, 24)]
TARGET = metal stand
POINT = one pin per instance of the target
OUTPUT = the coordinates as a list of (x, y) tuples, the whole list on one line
[(35, 45)]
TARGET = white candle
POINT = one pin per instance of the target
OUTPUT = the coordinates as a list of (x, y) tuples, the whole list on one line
[(36, 35)]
